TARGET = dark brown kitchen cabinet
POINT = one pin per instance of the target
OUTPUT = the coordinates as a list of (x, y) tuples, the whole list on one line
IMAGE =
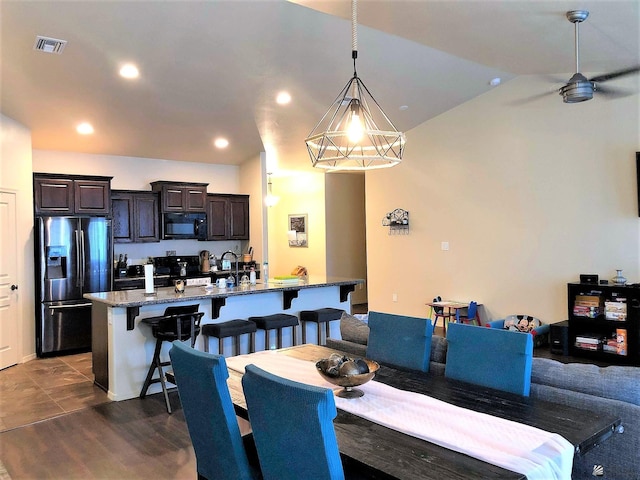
[(181, 197), (228, 217), (57, 194), (136, 216)]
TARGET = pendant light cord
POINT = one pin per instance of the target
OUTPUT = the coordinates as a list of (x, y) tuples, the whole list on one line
[(354, 34)]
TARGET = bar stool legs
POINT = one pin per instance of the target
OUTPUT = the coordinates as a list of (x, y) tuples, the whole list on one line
[(319, 316), (157, 364), (231, 328), (276, 322)]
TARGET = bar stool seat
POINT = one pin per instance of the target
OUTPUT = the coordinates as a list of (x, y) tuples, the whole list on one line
[(277, 321), (319, 316), (178, 323), (231, 328)]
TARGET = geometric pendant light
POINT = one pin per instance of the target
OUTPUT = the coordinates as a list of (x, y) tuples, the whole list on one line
[(355, 133)]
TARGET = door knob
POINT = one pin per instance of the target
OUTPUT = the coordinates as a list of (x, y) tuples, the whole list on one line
[(14, 287)]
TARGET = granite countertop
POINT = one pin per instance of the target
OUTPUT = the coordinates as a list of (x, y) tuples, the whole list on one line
[(136, 298)]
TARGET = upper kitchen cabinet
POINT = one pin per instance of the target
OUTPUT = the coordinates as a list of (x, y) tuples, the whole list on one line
[(135, 216), (228, 217), (181, 197), (57, 194)]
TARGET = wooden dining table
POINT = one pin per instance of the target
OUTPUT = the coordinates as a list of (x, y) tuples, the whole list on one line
[(379, 452)]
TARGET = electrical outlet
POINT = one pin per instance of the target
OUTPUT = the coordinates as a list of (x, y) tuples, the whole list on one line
[(444, 246), (394, 297)]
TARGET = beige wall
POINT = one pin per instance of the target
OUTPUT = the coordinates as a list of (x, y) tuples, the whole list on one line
[(527, 195), (299, 193), (346, 229), (15, 175)]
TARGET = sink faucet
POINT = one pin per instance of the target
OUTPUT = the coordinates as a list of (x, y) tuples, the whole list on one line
[(235, 257)]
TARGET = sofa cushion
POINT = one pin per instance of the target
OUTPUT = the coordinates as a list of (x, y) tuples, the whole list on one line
[(438, 349), (353, 329), (615, 382)]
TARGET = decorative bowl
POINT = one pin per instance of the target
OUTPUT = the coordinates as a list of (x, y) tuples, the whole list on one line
[(346, 378)]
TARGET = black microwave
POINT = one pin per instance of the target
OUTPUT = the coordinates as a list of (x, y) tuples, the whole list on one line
[(177, 226)]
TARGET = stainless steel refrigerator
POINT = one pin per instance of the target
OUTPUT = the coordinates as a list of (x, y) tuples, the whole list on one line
[(73, 257)]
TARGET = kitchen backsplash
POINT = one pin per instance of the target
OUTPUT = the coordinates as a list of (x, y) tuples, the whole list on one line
[(138, 253)]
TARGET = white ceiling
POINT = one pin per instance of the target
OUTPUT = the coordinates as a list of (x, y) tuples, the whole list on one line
[(213, 68)]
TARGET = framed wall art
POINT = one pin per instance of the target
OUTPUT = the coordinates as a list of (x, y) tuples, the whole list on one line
[(297, 233)]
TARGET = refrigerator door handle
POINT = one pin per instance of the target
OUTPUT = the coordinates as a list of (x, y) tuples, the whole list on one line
[(82, 257), (75, 305), (78, 259)]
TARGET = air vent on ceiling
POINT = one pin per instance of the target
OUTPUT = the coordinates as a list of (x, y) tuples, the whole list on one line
[(49, 45)]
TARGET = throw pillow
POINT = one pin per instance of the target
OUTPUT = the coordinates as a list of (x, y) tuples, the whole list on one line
[(521, 323), (353, 329)]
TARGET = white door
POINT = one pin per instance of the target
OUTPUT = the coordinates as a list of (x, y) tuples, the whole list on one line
[(9, 319)]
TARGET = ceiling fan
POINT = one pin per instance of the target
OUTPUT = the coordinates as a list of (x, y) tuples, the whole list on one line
[(579, 88)]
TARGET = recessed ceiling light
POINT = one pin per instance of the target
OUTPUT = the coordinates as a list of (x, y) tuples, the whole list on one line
[(84, 128), (129, 70), (404, 107), (494, 82), (221, 142), (283, 98)]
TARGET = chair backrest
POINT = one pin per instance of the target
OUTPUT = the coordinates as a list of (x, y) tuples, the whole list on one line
[(472, 310), (179, 322), (399, 340), (208, 409), (438, 310), (292, 427), (490, 357)]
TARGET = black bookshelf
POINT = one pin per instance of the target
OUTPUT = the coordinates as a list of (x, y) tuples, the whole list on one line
[(604, 323)]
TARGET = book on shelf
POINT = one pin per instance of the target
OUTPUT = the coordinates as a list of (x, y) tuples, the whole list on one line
[(588, 339), (588, 346), (616, 310)]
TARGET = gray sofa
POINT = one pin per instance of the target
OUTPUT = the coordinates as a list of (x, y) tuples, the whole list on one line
[(612, 389)]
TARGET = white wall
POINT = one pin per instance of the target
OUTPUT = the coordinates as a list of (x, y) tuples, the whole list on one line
[(135, 173), (528, 196), (252, 182), (15, 175)]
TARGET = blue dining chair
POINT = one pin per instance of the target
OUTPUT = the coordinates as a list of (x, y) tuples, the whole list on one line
[(472, 315), (292, 427), (206, 402), (490, 357), (400, 341)]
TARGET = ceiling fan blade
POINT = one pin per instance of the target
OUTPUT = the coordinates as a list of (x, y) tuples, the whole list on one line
[(612, 93), (619, 73), (533, 98)]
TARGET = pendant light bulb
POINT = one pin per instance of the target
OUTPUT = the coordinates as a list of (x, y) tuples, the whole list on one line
[(355, 130)]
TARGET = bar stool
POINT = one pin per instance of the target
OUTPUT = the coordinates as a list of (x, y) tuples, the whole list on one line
[(322, 315), (232, 328), (277, 322), (177, 323)]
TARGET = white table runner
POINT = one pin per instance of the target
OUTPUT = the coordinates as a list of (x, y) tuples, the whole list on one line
[(517, 447)]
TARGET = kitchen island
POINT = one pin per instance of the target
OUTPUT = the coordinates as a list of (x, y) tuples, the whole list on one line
[(122, 348)]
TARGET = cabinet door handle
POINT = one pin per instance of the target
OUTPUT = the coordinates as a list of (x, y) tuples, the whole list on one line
[(14, 287)]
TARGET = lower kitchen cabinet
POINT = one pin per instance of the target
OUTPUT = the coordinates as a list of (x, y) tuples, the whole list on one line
[(227, 217), (135, 216)]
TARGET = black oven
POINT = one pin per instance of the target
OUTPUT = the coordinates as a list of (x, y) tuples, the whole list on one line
[(176, 226)]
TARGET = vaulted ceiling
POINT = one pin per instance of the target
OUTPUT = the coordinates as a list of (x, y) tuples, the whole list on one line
[(213, 68)]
